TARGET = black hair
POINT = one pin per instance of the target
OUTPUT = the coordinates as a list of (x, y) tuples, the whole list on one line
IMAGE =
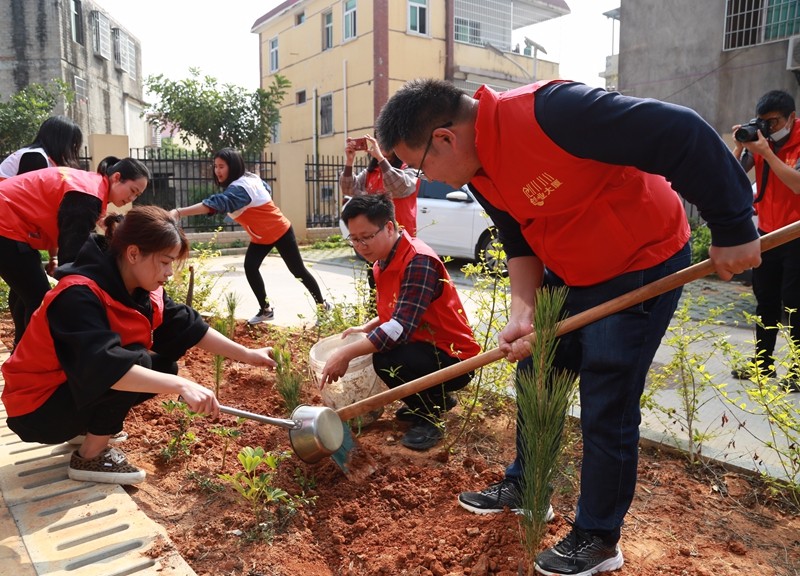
[(128, 168), (61, 139), (416, 110), (775, 101), (378, 208), (235, 161), (391, 157), (151, 228)]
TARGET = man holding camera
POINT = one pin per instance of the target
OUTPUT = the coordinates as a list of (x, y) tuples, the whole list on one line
[(771, 145)]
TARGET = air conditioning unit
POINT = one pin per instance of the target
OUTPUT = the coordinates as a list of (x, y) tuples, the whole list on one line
[(793, 54)]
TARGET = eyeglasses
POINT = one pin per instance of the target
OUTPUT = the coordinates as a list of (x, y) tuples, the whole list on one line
[(362, 242), (773, 122), (428, 146)]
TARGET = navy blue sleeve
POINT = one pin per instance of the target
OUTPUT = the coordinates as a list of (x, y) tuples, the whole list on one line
[(658, 138), (233, 198), (509, 230)]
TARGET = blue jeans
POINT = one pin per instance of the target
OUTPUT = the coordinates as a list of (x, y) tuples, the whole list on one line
[(612, 357)]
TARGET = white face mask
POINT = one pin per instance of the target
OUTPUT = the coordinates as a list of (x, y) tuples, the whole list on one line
[(780, 134)]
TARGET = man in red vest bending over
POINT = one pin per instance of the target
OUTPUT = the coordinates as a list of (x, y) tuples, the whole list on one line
[(581, 185)]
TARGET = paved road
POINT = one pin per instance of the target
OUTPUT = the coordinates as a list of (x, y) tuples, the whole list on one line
[(737, 440)]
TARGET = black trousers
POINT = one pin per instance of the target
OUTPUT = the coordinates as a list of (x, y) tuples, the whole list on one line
[(776, 286), (290, 253), (21, 268), (413, 360), (59, 419)]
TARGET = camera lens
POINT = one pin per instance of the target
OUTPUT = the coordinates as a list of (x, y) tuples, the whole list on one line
[(747, 133)]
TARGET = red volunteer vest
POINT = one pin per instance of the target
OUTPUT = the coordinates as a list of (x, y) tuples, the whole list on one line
[(586, 220), (32, 373), (405, 209), (29, 203), (262, 219), (779, 206), (444, 323)]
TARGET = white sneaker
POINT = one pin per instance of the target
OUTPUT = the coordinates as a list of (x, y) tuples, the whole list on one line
[(115, 439), (262, 316)]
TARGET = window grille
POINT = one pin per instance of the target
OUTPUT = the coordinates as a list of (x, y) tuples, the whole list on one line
[(480, 21), (81, 88), (349, 19), (326, 115), (753, 22), (124, 52), (418, 16), (101, 35)]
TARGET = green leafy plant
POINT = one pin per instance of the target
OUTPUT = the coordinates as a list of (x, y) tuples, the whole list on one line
[(181, 439), (205, 281), (226, 433), (693, 342), (23, 112), (701, 241), (255, 483), (289, 381), (220, 325), (231, 303), (543, 396)]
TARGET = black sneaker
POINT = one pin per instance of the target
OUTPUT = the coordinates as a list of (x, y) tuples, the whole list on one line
[(747, 372), (423, 435), (579, 554), (496, 498), (406, 414)]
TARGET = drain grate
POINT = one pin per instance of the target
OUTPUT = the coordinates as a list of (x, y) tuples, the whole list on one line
[(73, 528)]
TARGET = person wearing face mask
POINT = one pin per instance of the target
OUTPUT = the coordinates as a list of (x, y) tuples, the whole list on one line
[(776, 282)]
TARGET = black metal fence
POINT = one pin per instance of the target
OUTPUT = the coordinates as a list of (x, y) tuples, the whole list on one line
[(182, 178), (323, 201)]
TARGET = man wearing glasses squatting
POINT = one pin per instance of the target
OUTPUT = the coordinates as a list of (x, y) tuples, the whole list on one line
[(421, 326)]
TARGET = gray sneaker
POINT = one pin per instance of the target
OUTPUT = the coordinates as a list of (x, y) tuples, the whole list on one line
[(262, 316), (109, 467), (496, 498)]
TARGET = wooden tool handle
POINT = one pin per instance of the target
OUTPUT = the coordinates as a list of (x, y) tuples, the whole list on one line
[(665, 284)]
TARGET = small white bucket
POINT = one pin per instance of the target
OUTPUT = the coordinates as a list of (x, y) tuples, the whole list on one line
[(359, 382)]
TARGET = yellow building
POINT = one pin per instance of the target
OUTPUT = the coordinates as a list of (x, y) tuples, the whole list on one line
[(344, 58)]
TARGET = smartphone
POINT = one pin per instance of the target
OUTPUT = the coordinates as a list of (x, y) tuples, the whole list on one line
[(360, 143)]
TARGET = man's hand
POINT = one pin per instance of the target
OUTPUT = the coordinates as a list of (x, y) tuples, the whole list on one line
[(335, 367), (511, 342), (735, 259)]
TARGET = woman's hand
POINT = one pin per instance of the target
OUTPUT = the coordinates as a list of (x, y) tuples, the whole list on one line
[(373, 149), (335, 367), (200, 399), (261, 357)]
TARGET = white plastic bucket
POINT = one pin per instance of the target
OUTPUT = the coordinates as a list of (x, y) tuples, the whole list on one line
[(359, 382)]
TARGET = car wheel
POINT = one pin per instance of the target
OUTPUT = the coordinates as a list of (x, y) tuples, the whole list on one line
[(487, 252)]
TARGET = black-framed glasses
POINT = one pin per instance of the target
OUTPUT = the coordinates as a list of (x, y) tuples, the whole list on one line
[(773, 122), (365, 240), (428, 146)]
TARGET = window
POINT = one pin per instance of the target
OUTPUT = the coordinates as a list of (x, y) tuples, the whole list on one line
[(101, 35), (468, 31), (275, 133), (273, 54), (327, 31), (124, 52), (81, 89), (299, 18), (77, 21), (418, 16), (326, 115), (349, 19), (753, 22), (300, 97)]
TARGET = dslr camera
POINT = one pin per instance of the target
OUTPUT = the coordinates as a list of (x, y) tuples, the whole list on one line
[(749, 132)]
